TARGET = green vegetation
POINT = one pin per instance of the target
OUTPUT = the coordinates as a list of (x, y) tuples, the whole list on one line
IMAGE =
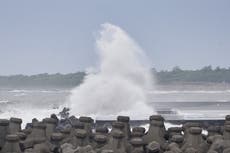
[(176, 75), (43, 80), (205, 75)]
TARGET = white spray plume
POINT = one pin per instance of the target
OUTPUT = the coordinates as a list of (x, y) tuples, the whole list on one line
[(121, 83)]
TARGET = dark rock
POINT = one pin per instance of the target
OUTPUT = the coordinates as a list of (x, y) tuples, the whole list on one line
[(213, 130), (50, 126), (56, 139), (178, 139), (11, 145), (15, 125), (191, 150), (139, 129), (194, 138), (78, 125), (156, 132), (100, 142), (3, 131), (102, 130), (137, 145), (156, 118), (226, 133), (153, 147), (116, 143)]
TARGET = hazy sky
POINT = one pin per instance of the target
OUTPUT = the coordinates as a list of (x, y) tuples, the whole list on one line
[(38, 36)]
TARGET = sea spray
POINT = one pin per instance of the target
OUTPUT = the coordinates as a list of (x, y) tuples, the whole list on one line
[(120, 85)]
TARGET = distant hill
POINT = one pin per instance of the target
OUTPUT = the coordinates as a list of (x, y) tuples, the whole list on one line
[(43, 80), (176, 75), (205, 75)]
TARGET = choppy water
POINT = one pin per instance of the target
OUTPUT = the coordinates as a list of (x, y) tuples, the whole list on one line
[(30, 103), (192, 104), (173, 104)]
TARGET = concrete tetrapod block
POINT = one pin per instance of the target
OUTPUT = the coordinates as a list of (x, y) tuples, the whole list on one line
[(15, 125), (3, 131), (11, 145)]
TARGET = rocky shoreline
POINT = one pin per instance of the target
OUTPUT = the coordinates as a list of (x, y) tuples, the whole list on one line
[(83, 134)]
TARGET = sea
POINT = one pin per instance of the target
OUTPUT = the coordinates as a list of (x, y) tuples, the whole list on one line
[(187, 102)]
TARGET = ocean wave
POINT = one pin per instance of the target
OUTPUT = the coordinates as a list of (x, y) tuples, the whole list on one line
[(203, 114), (4, 101), (37, 91), (20, 94), (190, 92), (29, 114), (223, 100), (167, 125)]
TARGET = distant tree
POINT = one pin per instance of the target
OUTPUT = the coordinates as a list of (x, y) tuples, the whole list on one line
[(207, 68), (176, 69), (218, 68), (206, 74)]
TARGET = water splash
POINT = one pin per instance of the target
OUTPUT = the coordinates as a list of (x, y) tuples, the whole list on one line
[(120, 85)]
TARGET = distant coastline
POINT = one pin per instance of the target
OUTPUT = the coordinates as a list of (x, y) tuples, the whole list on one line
[(207, 76)]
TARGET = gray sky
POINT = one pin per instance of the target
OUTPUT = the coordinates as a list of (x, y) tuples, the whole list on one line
[(59, 36)]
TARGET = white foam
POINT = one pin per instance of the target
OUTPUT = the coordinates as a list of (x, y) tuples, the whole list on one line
[(4, 101), (189, 92), (37, 91), (27, 113), (203, 114), (20, 94), (121, 83), (167, 125)]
